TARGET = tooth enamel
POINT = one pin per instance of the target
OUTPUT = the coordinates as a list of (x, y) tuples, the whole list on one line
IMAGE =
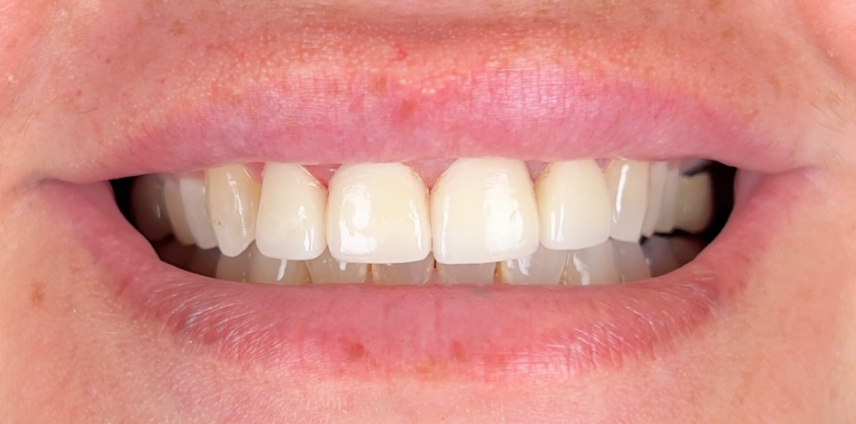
[(695, 203), (591, 266), (149, 207), (176, 212), (660, 257), (233, 198), (326, 269), (466, 273), (276, 271), (483, 210), (668, 209), (656, 187), (545, 266), (175, 253), (410, 273), (628, 188), (290, 224), (686, 248), (630, 262), (573, 205), (196, 212), (378, 213), (235, 268), (204, 262)]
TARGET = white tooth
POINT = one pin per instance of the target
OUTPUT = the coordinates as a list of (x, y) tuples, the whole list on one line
[(196, 212), (628, 188), (573, 205), (668, 209), (175, 211), (660, 257), (686, 248), (175, 253), (545, 266), (410, 273), (630, 262), (466, 273), (695, 203), (235, 268), (276, 271), (326, 269), (149, 207), (591, 266), (657, 186), (290, 224), (483, 210), (204, 262), (233, 199), (378, 213)]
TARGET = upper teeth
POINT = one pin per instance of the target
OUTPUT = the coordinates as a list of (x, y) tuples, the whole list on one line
[(479, 212)]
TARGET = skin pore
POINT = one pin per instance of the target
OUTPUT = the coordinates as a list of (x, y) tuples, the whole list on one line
[(81, 81)]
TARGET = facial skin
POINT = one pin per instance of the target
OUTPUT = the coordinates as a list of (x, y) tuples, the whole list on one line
[(77, 79)]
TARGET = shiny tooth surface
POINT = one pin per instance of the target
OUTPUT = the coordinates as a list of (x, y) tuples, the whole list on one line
[(275, 271), (668, 207), (694, 203), (591, 266), (233, 199), (630, 262), (235, 268), (418, 272), (466, 273), (660, 256), (176, 213), (149, 207), (656, 187), (326, 269), (378, 213), (484, 210), (545, 266), (573, 205), (290, 223), (628, 188), (204, 262), (196, 212), (175, 253)]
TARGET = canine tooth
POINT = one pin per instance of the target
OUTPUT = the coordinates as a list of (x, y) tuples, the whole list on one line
[(196, 212), (573, 205), (660, 256), (591, 266), (545, 266), (290, 224), (695, 203), (175, 253), (149, 207), (668, 209), (630, 262), (235, 268), (466, 273), (483, 210), (657, 185), (276, 271), (378, 213), (233, 199), (326, 269), (175, 211), (418, 272), (628, 188), (204, 262)]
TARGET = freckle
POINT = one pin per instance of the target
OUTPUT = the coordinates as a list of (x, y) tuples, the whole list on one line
[(355, 351), (37, 295), (177, 28), (715, 4)]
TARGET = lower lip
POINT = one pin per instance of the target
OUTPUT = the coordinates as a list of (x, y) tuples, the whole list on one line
[(450, 332)]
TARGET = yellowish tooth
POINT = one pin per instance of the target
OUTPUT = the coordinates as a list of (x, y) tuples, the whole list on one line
[(276, 271), (233, 203), (695, 203), (175, 211), (592, 266), (628, 188), (657, 186), (235, 268), (630, 262), (660, 256), (483, 210), (686, 248), (149, 207), (291, 213), (466, 273), (326, 269), (204, 262), (573, 205), (545, 266), (410, 273), (668, 209), (196, 212)]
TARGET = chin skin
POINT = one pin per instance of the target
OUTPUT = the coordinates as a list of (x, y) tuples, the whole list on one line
[(785, 351)]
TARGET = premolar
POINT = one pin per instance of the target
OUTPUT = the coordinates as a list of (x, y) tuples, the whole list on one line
[(628, 188), (196, 212), (233, 199)]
